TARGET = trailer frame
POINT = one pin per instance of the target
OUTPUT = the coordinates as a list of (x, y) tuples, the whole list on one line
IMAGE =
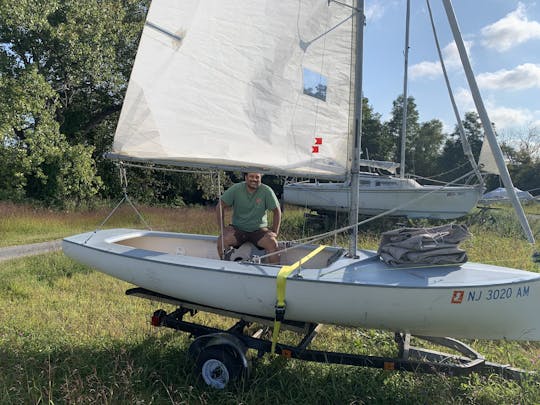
[(221, 354)]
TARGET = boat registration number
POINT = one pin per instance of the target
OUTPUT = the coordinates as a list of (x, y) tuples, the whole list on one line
[(490, 294)]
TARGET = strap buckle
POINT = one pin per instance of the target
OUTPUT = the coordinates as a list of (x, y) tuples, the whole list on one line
[(280, 312)]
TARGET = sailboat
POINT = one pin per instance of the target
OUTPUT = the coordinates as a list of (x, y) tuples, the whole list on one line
[(221, 85), (385, 194), (388, 194)]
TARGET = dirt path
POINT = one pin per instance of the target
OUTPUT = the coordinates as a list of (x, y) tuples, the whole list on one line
[(12, 252)]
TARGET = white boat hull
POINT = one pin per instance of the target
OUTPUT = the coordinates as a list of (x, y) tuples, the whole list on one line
[(381, 194), (468, 301)]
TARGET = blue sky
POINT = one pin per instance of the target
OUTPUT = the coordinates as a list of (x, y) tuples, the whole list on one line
[(503, 42)]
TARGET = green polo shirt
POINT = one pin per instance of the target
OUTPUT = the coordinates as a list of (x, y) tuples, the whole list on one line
[(249, 210)]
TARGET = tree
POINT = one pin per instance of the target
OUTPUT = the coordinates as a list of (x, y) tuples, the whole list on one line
[(427, 148), (38, 162), (375, 143), (453, 161), (524, 167), (64, 65), (393, 130)]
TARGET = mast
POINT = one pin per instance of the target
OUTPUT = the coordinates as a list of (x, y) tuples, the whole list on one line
[(404, 118), (355, 168), (486, 122)]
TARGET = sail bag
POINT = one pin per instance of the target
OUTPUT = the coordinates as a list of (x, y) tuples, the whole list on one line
[(429, 246)]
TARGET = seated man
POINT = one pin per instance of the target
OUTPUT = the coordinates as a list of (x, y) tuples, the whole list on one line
[(249, 200)]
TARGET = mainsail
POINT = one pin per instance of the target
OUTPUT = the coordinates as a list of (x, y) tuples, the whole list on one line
[(262, 85)]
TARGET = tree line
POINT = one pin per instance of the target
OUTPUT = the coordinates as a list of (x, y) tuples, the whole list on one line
[(64, 69)]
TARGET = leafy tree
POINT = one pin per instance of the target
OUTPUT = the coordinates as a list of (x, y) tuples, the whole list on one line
[(393, 129), (426, 148), (453, 161), (375, 143), (524, 168), (38, 162), (64, 66)]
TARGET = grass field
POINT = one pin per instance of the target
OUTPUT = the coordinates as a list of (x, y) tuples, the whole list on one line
[(68, 334)]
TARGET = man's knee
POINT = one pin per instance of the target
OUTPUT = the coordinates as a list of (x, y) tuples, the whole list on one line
[(269, 243), (229, 237)]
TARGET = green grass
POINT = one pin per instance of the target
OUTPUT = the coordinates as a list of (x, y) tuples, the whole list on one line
[(68, 334), (26, 224)]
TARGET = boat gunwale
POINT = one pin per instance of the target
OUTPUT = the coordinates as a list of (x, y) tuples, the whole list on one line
[(241, 268)]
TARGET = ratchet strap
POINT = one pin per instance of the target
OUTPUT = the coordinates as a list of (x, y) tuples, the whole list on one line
[(281, 283)]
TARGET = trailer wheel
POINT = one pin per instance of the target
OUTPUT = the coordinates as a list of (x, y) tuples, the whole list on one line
[(217, 367)]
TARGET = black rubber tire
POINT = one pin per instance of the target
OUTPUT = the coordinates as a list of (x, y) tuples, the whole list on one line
[(218, 367)]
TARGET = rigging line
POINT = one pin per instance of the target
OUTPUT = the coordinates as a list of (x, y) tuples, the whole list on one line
[(305, 44), (344, 5), (221, 219), (464, 141), (441, 181), (163, 30), (123, 183), (447, 172)]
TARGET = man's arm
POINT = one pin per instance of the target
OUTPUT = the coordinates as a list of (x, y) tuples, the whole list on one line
[(276, 220)]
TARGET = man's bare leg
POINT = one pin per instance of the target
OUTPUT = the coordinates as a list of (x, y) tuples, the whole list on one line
[(269, 243), (226, 241)]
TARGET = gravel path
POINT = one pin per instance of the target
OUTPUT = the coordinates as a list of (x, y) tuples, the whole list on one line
[(12, 252)]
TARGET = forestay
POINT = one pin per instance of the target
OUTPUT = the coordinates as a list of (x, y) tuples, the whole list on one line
[(242, 84)]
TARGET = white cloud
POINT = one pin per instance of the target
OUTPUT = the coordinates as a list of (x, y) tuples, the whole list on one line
[(431, 70), (374, 11), (521, 77), (428, 70), (511, 30), (464, 100), (505, 117), (451, 54)]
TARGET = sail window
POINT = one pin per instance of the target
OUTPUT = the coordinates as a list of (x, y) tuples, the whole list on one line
[(314, 84)]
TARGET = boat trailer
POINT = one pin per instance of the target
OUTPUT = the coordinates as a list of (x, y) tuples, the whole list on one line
[(221, 355)]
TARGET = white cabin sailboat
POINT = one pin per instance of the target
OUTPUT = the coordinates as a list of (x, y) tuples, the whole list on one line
[(221, 84), (380, 194), (390, 194)]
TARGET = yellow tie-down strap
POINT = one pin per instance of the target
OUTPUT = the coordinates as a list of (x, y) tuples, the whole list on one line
[(281, 283)]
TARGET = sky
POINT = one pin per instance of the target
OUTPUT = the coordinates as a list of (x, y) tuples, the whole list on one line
[(503, 42)]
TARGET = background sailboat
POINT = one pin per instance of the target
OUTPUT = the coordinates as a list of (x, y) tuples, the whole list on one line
[(221, 84), (390, 194)]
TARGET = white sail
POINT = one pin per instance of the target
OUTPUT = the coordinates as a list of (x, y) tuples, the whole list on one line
[(486, 161), (226, 84)]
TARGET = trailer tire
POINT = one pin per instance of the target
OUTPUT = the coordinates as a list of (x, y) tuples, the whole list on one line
[(218, 367)]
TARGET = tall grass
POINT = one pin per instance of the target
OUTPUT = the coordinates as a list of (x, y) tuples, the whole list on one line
[(25, 224), (68, 334)]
